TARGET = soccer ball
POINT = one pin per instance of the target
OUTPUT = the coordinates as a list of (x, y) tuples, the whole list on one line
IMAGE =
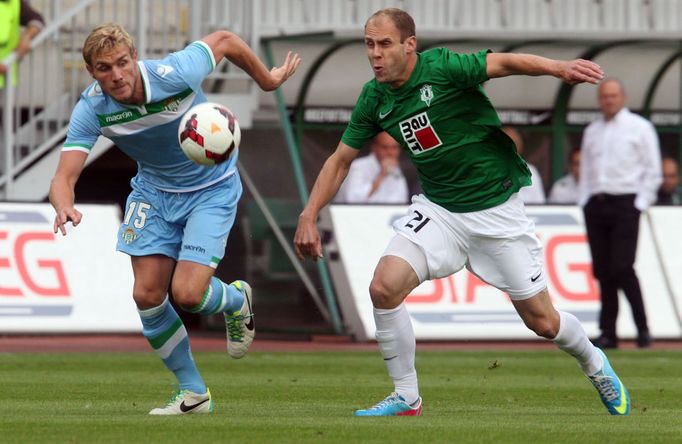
[(209, 134)]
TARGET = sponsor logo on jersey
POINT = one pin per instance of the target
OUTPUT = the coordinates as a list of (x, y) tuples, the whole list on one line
[(426, 94), (419, 134), (118, 116)]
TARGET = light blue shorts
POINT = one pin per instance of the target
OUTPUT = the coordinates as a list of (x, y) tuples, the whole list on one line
[(191, 226)]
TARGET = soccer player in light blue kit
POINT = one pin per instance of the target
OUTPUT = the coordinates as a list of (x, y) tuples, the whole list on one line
[(179, 214)]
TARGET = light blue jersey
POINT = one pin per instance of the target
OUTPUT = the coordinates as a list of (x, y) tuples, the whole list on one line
[(177, 208), (148, 133)]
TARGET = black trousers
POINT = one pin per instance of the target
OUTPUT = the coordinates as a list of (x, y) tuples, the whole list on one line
[(612, 223)]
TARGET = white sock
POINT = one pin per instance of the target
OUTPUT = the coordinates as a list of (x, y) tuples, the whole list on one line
[(573, 340), (397, 345)]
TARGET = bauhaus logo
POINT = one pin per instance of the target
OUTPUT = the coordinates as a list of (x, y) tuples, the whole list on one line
[(418, 133)]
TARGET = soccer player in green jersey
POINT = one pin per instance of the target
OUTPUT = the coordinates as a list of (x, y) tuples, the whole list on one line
[(470, 213)]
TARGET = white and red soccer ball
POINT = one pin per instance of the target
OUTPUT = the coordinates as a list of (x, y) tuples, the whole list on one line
[(209, 134)]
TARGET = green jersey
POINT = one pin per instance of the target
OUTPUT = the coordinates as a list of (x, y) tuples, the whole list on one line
[(445, 122)]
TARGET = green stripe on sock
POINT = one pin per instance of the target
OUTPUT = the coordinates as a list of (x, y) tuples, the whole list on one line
[(202, 304), (158, 341)]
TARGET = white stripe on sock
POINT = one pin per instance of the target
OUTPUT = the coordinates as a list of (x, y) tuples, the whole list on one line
[(172, 342), (154, 311), (204, 301)]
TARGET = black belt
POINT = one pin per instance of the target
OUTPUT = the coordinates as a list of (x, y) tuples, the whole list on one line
[(612, 197)]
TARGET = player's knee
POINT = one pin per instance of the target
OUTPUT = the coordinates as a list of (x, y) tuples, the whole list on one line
[(544, 327), (186, 296), (147, 297), (383, 296)]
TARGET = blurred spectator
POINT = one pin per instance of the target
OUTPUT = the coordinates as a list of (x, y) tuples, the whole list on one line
[(13, 15), (377, 177), (620, 173), (565, 190), (535, 193), (669, 193)]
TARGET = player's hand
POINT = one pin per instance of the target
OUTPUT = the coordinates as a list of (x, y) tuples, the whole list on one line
[(66, 215), (307, 239), (579, 71), (281, 73), (3, 68)]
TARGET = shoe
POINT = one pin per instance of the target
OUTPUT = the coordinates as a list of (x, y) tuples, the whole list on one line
[(613, 393), (239, 325), (393, 405), (605, 342), (184, 402), (644, 340)]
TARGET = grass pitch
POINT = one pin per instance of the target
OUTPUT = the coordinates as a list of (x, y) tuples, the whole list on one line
[(482, 396)]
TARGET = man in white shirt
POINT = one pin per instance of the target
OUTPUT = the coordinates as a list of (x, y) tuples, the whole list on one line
[(535, 192), (620, 174), (377, 177), (565, 190)]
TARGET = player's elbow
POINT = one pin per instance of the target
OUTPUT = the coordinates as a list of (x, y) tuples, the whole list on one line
[(223, 44), (497, 65), (224, 40)]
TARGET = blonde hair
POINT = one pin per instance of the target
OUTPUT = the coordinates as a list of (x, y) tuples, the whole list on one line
[(105, 38)]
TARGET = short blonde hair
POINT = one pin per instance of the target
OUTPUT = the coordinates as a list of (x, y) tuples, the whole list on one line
[(105, 38)]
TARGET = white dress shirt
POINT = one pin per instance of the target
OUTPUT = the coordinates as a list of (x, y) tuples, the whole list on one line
[(564, 191), (358, 184), (535, 192), (621, 156)]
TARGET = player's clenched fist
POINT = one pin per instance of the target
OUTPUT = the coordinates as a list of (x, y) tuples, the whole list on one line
[(307, 239)]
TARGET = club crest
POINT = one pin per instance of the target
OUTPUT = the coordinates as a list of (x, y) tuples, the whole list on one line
[(129, 236), (426, 94)]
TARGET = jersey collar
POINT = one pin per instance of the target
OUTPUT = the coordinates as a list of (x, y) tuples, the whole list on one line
[(145, 82)]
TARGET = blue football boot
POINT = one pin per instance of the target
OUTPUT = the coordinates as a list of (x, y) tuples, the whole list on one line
[(393, 405), (613, 393)]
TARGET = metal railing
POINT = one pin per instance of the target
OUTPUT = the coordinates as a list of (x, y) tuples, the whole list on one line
[(36, 111), (51, 77), (647, 18)]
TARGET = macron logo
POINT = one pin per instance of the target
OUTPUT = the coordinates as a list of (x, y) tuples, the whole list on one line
[(164, 70), (119, 116)]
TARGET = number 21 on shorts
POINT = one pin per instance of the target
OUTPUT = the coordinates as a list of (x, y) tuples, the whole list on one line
[(417, 222)]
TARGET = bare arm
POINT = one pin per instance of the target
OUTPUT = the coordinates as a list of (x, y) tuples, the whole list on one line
[(334, 171), (24, 45), (33, 23), (570, 71), (229, 45), (62, 194)]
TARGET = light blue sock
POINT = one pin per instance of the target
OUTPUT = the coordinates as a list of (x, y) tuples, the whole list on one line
[(219, 297), (167, 335)]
